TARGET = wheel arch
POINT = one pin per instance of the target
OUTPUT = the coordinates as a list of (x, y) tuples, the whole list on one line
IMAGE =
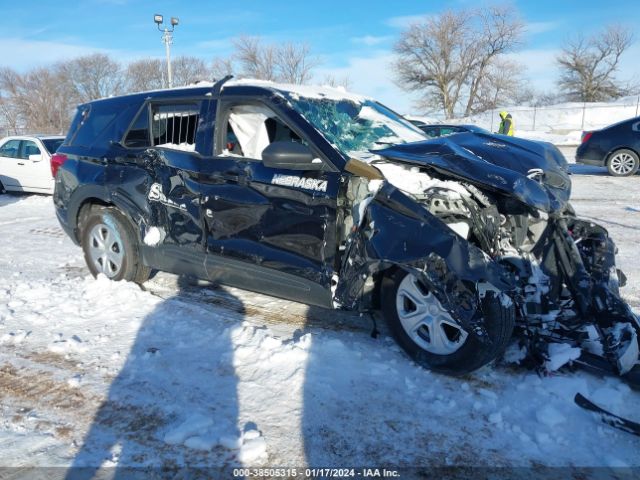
[(83, 212), (95, 195)]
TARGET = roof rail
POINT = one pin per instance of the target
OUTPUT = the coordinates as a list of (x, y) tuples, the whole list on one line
[(217, 87)]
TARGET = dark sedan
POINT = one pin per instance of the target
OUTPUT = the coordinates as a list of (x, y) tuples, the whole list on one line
[(442, 130), (616, 147)]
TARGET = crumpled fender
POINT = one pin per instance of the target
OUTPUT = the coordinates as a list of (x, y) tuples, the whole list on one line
[(397, 231)]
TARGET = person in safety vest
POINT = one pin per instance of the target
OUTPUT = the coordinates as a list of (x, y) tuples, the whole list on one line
[(506, 125)]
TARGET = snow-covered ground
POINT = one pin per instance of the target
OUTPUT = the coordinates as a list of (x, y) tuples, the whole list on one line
[(99, 373)]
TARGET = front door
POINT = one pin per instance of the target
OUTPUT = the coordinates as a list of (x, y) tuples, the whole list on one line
[(10, 168), (277, 224)]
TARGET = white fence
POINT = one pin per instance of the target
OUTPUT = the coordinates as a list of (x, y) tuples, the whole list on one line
[(561, 118)]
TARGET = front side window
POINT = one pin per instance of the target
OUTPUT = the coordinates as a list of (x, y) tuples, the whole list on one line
[(175, 125), (10, 149), (29, 148), (251, 128)]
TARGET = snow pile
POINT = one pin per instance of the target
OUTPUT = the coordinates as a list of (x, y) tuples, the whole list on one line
[(184, 146), (154, 236), (559, 355)]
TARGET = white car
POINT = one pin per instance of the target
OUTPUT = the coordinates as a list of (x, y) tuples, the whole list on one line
[(24, 163)]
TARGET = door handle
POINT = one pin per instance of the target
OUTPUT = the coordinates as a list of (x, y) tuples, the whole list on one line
[(20, 163)]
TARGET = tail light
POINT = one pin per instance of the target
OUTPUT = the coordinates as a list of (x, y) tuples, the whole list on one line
[(57, 159), (586, 136)]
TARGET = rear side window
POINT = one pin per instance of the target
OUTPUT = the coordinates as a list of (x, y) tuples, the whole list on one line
[(138, 135), (175, 125), (90, 122), (29, 148)]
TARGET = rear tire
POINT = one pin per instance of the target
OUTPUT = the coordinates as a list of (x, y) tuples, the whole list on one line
[(110, 246), (435, 344), (623, 163)]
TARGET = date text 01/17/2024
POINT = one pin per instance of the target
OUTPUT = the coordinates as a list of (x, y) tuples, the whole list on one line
[(315, 473)]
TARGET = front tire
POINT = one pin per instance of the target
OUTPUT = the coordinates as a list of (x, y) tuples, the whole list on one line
[(431, 337), (110, 246), (623, 163)]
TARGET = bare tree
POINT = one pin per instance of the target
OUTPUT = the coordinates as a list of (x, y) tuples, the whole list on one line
[(433, 58), (446, 58), (146, 74), (501, 84), (332, 81), (38, 100), (256, 60), (187, 70), (221, 67), (10, 114), (94, 76), (294, 64), (289, 62), (499, 32), (589, 65)]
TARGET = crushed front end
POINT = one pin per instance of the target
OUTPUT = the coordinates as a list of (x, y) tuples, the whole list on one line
[(474, 213)]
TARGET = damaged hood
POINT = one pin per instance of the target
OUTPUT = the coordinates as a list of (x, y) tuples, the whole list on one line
[(533, 172)]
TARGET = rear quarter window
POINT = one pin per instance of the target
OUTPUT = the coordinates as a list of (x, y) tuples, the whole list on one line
[(52, 144), (89, 123)]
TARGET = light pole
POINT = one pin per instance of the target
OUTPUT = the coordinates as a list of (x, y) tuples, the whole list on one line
[(167, 38)]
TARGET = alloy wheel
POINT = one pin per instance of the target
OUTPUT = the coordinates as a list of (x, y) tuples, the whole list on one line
[(106, 250), (622, 163), (425, 320)]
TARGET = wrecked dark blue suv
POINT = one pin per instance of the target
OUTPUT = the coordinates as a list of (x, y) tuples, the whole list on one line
[(332, 199)]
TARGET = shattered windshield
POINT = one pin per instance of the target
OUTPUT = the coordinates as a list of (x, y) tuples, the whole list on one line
[(355, 126)]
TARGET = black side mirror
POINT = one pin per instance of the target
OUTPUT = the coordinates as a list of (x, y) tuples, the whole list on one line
[(290, 156)]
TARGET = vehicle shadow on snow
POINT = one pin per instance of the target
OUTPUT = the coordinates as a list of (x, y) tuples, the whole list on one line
[(174, 403), (13, 197), (590, 170)]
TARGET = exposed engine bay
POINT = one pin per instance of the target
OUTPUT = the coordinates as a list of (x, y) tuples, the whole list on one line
[(562, 274)]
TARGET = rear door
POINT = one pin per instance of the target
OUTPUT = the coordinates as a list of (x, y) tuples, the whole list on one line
[(271, 230), (11, 165), (161, 141)]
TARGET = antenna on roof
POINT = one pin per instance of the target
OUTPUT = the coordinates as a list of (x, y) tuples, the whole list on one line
[(218, 85)]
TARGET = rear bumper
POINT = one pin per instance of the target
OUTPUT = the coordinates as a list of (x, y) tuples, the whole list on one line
[(68, 229)]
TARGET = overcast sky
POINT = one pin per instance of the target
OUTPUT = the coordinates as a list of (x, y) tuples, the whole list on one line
[(352, 38)]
